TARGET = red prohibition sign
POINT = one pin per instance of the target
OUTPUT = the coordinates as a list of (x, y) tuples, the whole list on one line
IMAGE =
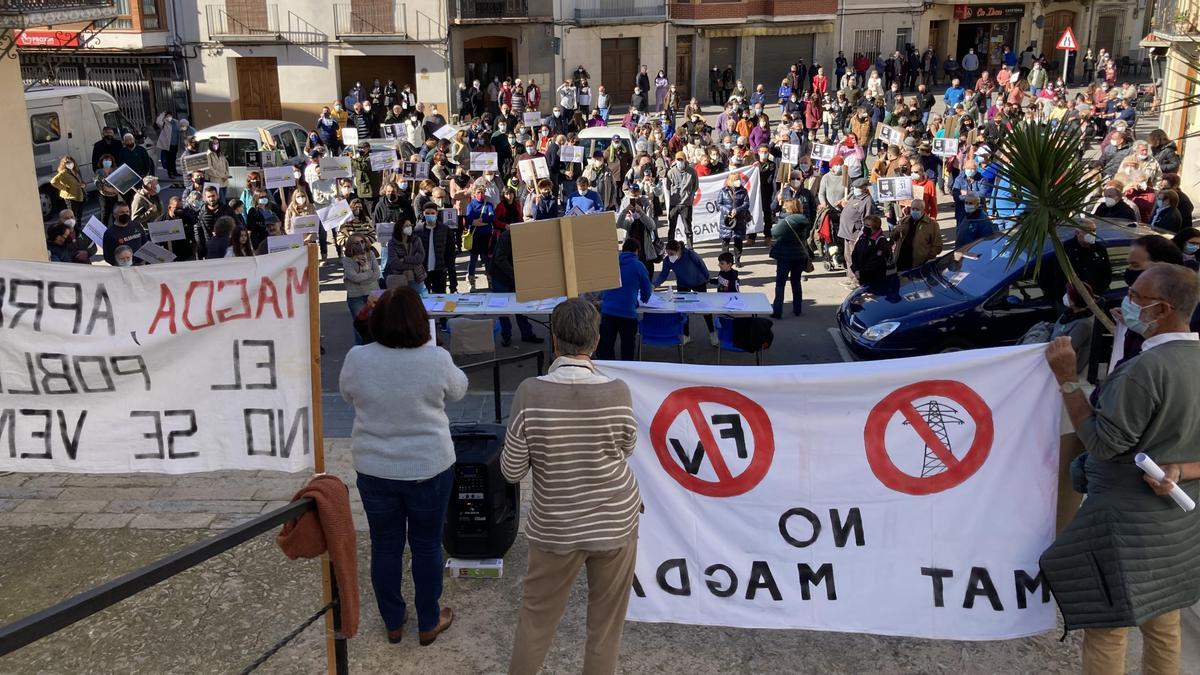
[(957, 470), (688, 401)]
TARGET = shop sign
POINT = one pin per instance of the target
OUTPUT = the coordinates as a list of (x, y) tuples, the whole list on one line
[(977, 12)]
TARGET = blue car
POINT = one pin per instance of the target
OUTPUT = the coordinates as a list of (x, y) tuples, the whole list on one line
[(971, 297)]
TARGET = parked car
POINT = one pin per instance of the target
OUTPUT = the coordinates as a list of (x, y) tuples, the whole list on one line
[(242, 137), (68, 121), (976, 296), (598, 139)]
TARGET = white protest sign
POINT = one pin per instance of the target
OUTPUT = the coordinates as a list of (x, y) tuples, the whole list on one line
[(163, 231), (909, 497), (532, 118), (195, 162), (94, 229), (571, 153), (415, 170), (446, 132), (528, 172), (484, 161), (335, 167), (705, 213), (152, 253), (945, 147), (540, 168), (823, 152), (304, 225), (890, 135), (278, 177), (137, 400), (284, 242), (383, 232), (450, 218), (894, 189), (384, 161), (350, 135), (791, 153), (335, 215)]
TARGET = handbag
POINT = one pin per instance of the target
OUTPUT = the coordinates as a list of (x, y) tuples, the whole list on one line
[(468, 239), (809, 268)]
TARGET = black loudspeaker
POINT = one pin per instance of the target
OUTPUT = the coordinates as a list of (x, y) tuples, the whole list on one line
[(481, 521)]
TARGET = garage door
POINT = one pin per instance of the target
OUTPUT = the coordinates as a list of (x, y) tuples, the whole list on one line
[(774, 55), (722, 52), (367, 69)]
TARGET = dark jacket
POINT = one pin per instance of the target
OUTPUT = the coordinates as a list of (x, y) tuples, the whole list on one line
[(1119, 211), (217, 247), (734, 206), (635, 284), (788, 237), (398, 213), (205, 220), (1090, 263), (137, 158), (690, 271), (1168, 219), (103, 147), (133, 235), (501, 267), (545, 208), (871, 258)]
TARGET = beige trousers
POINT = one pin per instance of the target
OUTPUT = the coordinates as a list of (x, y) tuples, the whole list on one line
[(547, 587), (1104, 648)]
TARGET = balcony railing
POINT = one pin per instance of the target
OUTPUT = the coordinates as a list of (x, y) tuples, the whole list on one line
[(493, 9), (1176, 17), (380, 19), (592, 11), (30, 13), (242, 20)]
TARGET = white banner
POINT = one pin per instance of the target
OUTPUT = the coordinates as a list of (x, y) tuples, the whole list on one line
[(907, 497), (177, 368), (705, 213)]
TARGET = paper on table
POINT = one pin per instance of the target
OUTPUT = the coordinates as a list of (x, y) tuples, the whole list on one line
[(654, 302), (94, 229), (1152, 469), (496, 301), (735, 302), (434, 305)]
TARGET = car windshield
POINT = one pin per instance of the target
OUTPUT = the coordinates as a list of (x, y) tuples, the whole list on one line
[(592, 146), (978, 268), (234, 150)]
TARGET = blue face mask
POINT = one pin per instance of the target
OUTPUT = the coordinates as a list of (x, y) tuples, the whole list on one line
[(1190, 248), (1131, 314)]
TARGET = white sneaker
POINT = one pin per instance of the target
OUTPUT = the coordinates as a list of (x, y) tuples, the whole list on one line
[(686, 339), (713, 339)]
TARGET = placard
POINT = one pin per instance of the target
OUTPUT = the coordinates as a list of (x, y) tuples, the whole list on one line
[(414, 170), (485, 161), (335, 215), (152, 253), (350, 135), (384, 161), (894, 189), (823, 152), (384, 232), (571, 153), (254, 158), (532, 118), (446, 132), (706, 214), (195, 162), (94, 229), (200, 366), (162, 231), (284, 242), (540, 168), (335, 167), (305, 225), (123, 178), (890, 135), (528, 173), (393, 131), (945, 147), (278, 177), (791, 153), (450, 218)]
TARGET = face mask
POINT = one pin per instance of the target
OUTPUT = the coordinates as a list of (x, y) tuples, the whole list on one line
[(407, 230), (805, 167), (970, 208), (764, 155), (123, 219), (215, 147), (673, 258), (737, 184), (70, 166), (679, 164), (558, 113), (358, 213), (70, 222), (917, 215), (1110, 201), (124, 262), (301, 200), (970, 173), (857, 192), (916, 176), (1114, 142), (1131, 313), (1089, 238), (107, 163), (979, 159), (1191, 248), (430, 217), (345, 191), (837, 170)]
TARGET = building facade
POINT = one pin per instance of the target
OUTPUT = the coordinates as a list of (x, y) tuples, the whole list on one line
[(492, 39), (254, 59), (1175, 29)]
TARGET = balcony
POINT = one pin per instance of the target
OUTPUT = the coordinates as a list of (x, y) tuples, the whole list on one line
[(493, 9), (370, 21), (1176, 18), (243, 21), (619, 11), (20, 14), (741, 10)]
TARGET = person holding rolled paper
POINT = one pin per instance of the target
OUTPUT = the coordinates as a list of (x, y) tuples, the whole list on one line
[(1128, 557)]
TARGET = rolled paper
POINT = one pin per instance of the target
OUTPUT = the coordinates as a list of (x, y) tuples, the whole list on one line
[(1155, 471)]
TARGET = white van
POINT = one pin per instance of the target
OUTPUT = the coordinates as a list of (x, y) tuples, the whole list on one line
[(244, 136), (68, 121)]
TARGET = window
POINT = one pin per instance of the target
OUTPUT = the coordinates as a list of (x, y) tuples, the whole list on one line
[(124, 20), (288, 143), (151, 15), (867, 42), (903, 39), (44, 128)]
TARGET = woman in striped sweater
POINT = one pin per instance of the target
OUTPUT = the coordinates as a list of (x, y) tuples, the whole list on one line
[(574, 428)]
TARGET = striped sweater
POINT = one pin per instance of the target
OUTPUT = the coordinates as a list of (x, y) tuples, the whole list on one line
[(574, 429)]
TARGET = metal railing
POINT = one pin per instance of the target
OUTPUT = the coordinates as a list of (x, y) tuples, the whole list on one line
[(41, 624), (32, 13), (495, 364), (493, 9), (383, 18), (619, 10), (242, 19), (1176, 17)]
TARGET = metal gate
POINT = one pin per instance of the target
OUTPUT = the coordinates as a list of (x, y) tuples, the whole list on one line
[(128, 87)]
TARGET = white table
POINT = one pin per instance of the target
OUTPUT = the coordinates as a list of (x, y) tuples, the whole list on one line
[(485, 305)]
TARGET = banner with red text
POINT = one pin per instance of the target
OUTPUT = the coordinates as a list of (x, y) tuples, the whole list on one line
[(906, 497), (706, 215), (172, 368)]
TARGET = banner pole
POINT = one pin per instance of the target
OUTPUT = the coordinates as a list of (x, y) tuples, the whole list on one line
[(318, 427)]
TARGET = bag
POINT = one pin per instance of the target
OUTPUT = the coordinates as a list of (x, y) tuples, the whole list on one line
[(752, 334), (468, 239)]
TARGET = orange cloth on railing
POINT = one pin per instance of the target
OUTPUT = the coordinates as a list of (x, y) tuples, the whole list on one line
[(328, 527)]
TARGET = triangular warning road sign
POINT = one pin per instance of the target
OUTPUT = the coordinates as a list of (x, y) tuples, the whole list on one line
[(1067, 41)]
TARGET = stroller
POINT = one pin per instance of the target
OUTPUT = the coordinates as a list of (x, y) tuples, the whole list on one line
[(825, 239)]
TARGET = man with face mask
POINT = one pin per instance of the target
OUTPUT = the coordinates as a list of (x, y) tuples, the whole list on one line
[(147, 204), (682, 183), (1113, 205), (62, 246), (855, 209), (107, 145), (124, 232), (1089, 258), (1144, 406)]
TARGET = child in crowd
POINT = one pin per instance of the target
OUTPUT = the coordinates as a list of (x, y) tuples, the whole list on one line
[(727, 278)]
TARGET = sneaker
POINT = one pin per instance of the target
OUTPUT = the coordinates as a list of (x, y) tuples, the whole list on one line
[(686, 339)]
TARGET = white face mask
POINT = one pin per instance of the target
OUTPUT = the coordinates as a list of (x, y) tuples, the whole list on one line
[(1110, 202), (301, 200), (857, 192), (70, 166), (124, 262), (407, 230), (1089, 238), (673, 258), (69, 222), (296, 175)]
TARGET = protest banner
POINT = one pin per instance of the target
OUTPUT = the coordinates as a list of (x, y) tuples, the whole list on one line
[(415, 170), (306, 225), (532, 118), (152, 253), (894, 189), (335, 215), (109, 364), (278, 177), (705, 214), (384, 161), (163, 231), (284, 242), (945, 147), (195, 162), (823, 152), (349, 136), (335, 167), (485, 161), (94, 229), (907, 497)]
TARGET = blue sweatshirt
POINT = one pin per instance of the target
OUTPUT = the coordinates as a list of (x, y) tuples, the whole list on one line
[(635, 285), (690, 271), (588, 202)]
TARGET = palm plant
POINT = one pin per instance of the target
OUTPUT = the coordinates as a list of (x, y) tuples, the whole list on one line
[(1042, 173)]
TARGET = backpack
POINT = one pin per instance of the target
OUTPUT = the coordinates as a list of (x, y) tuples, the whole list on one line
[(752, 334)]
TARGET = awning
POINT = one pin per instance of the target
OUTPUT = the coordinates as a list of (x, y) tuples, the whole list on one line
[(806, 28), (1153, 41)]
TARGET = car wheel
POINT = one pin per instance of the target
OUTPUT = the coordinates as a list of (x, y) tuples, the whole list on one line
[(50, 203), (951, 346)]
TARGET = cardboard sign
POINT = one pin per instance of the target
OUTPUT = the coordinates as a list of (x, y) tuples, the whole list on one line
[(335, 215), (196, 162), (284, 242), (414, 170), (532, 118), (278, 177), (894, 189), (485, 161), (890, 135), (266, 139), (540, 168), (94, 229), (383, 161), (350, 135), (571, 153), (335, 167), (305, 225), (823, 152), (945, 147), (450, 218), (123, 178), (446, 132), (527, 171), (791, 153), (163, 231), (152, 253), (565, 256), (384, 231)]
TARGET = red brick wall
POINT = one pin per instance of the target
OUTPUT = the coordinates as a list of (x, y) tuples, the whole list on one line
[(740, 9)]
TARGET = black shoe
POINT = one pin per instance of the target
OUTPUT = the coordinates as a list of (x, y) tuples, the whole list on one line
[(533, 340), (776, 315), (505, 340)]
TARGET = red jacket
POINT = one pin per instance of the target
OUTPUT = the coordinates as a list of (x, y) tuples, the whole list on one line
[(861, 63), (820, 85), (812, 115)]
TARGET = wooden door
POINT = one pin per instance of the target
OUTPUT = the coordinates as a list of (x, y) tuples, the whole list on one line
[(1056, 24), (258, 88), (1106, 31), (373, 17), (620, 69), (683, 67)]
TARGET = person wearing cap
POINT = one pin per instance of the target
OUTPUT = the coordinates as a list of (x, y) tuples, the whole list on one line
[(682, 184), (856, 207)]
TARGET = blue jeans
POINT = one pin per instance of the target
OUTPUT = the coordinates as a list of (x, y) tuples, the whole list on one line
[(416, 510), (355, 305)]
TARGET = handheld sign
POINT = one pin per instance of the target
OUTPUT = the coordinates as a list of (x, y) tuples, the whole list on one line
[(446, 132), (94, 229), (532, 118), (890, 135), (945, 147), (335, 215), (254, 158), (383, 232), (823, 152), (791, 153), (571, 153), (152, 253), (335, 167), (484, 161), (305, 225), (393, 131), (895, 189), (196, 162), (415, 170), (166, 230), (540, 168), (123, 178), (350, 135), (450, 218), (278, 177), (284, 242), (528, 172), (383, 161)]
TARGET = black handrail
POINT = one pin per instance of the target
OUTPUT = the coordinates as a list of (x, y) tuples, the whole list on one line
[(495, 366), (48, 621)]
